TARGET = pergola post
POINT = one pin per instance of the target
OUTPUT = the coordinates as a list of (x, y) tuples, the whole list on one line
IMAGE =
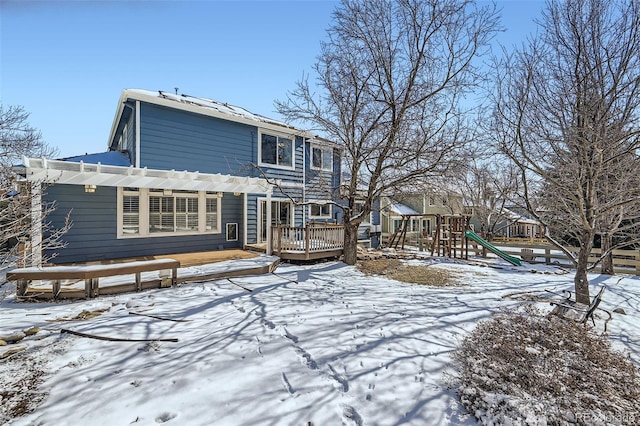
[(36, 224)]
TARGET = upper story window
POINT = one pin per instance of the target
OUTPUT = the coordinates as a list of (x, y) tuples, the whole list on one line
[(321, 158), (358, 207), (276, 150)]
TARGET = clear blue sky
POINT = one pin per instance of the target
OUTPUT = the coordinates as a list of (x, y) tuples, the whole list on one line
[(66, 62)]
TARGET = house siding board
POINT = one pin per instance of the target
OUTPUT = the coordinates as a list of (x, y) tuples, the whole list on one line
[(174, 139), (93, 235), (252, 217)]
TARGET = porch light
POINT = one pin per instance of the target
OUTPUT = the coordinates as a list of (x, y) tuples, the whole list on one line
[(167, 192), (90, 188), (237, 194)]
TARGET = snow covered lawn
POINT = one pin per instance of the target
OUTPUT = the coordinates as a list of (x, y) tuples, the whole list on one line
[(335, 347)]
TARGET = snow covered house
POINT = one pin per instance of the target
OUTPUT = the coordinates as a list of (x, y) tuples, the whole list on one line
[(186, 174), (422, 207)]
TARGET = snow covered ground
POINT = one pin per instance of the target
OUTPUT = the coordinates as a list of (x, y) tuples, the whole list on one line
[(321, 343)]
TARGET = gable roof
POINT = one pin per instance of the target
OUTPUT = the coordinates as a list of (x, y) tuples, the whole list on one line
[(401, 209), (207, 107), (109, 158)]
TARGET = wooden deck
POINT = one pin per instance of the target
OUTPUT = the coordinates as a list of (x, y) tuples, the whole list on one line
[(198, 266), (314, 241)]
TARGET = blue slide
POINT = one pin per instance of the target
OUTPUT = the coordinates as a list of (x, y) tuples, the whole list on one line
[(478, 239)]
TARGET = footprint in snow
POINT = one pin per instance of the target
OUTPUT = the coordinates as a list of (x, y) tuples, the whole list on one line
[(165, 417), (306, 358), (350, 416), (285, 333), (268, 324)]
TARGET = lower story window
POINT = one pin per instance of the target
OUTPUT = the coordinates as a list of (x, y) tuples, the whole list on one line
[(144, 212), (212, 213), (130, 211), (320, 211)]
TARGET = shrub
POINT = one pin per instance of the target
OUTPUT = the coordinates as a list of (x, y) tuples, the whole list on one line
[(526, 368)]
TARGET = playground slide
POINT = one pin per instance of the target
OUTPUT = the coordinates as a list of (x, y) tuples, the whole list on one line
[(477, 238)]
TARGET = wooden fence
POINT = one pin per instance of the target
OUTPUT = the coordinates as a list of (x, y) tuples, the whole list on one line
[(624, 261)]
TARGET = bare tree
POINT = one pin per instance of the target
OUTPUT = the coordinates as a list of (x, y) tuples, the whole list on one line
[(18, 138), (390, 79), (567, 115), (490, 186)]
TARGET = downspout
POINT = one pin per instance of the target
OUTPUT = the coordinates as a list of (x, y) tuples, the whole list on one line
[(304, 180), (137, 134)]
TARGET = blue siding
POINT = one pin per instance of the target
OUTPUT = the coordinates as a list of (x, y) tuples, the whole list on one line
[(93, 235), (180, 140)]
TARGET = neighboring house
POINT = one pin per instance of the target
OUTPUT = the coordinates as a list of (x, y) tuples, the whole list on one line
[(513, 223), (187, 174), (423, 209)]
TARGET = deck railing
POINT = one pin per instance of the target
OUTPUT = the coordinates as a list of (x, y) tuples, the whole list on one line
[(311, 241)]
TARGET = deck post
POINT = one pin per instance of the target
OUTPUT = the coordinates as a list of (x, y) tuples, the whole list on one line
[(55, 289), (307, 240), (279, 239)]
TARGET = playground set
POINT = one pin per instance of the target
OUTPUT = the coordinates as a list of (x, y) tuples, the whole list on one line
[(451, 237)]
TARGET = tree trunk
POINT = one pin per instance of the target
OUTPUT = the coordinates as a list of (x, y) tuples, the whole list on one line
[(607, 261), (350, 243), (580, 280)]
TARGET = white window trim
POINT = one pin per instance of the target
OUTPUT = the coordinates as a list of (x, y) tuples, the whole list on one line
[(322, 149), (280, 135), (227, 227), (292, 214), (321, 202), (369, 219), (143, 219)]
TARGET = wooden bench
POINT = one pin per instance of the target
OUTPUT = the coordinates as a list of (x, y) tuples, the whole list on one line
[(579, 312), (90, 274)]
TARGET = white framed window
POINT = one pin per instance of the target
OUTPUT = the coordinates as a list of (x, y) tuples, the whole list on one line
[(276, 150), (156, 212), (130, 211), (232, 232), (320, 211), (321, 158), (173, 211), (358, 206), (212, 213)]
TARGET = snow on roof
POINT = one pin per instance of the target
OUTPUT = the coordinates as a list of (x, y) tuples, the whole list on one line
[(513, 216), (210, 104), (109, 158), (400, 208)]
